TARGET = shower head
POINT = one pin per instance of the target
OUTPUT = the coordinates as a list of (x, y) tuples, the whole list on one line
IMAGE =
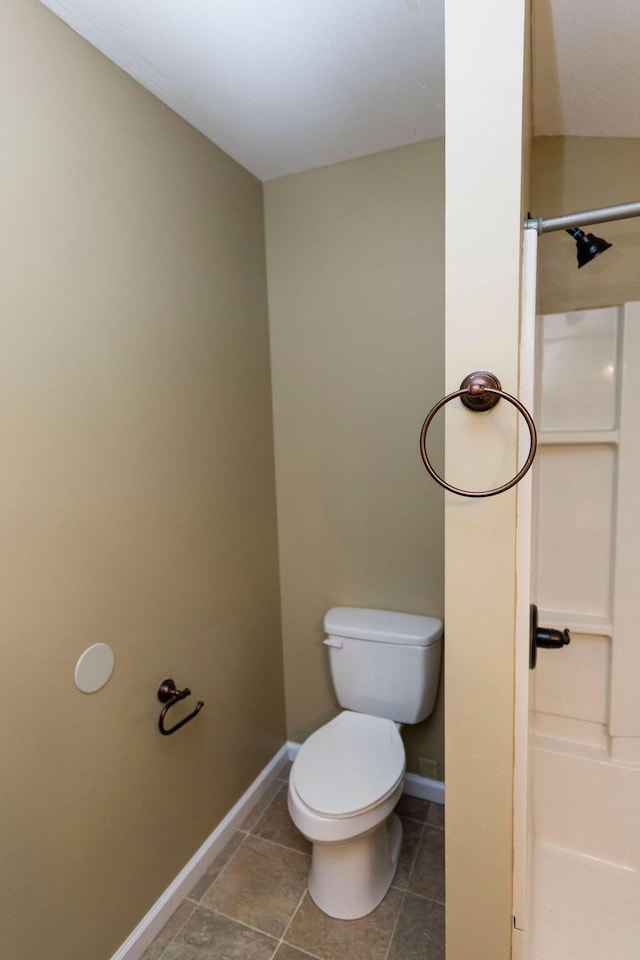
[(588, 246)]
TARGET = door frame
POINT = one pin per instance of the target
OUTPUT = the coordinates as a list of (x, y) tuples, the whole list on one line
[(524, 684), (485, 57)]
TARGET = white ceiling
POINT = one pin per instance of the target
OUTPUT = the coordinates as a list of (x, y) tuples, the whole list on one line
[(289, 85), (281, 85)]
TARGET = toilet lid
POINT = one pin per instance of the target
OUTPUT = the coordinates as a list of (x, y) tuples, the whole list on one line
[(349, 765)]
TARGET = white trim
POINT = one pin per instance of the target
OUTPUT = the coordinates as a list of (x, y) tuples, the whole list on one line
[(293, 749), (524, 552), (414, 786), (624, 712), (424, 788), (153, 921)]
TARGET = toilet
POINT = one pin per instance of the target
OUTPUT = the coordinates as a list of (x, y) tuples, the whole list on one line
[(348, 775)]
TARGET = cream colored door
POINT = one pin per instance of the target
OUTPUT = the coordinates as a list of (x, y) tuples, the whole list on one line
[(485, 53)]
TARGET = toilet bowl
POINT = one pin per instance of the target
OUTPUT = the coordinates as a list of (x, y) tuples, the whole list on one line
[(344, 784), (348, 775)]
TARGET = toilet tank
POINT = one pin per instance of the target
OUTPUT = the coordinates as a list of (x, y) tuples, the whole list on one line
[(384, 664)]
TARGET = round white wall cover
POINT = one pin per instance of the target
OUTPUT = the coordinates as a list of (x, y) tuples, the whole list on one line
[(94, 667)]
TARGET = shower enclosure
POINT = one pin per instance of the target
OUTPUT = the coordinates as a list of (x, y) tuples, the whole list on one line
[(583, 823)]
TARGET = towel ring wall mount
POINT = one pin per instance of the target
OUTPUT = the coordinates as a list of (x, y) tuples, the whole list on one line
[(479, 392)]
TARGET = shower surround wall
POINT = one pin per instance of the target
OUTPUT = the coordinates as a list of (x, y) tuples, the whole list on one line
[(586, 686), (355, 262), (138, 503), (586, 777), (586, 558)]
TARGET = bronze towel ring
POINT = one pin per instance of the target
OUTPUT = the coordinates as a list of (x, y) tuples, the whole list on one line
[(480, 391)]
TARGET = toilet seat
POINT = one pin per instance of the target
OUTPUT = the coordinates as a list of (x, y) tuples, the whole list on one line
[(349, 766)]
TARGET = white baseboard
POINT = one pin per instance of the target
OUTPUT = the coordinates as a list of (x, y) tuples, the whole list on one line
[(414, 786), (153, 922), (424, 788)]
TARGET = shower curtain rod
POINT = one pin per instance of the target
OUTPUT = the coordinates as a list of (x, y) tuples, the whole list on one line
[(621, 211)]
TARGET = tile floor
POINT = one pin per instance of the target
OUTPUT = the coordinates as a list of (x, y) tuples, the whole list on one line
[(253, 904)]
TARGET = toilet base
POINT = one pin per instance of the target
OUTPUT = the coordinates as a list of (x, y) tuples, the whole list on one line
[(348, 880)]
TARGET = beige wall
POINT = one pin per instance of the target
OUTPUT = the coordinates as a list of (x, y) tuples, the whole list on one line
[(137, 493), (579, 173), (356, 266)]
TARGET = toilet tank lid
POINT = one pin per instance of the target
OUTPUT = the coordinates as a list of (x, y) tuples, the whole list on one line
[(383, 626)]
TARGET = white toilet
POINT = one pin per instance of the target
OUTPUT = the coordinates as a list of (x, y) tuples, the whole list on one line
[(348, 775)]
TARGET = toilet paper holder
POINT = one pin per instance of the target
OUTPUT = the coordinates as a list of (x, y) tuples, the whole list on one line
[(169, 694)]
